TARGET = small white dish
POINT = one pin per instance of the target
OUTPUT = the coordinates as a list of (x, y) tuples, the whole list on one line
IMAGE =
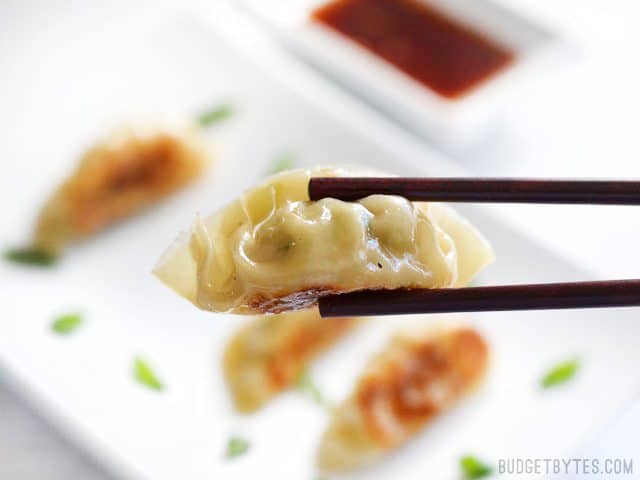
[(399, 95)]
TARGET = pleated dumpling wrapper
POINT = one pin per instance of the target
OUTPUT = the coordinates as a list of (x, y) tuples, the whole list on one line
[(413, 380), (129, 170), (268, 354), (274, 250)]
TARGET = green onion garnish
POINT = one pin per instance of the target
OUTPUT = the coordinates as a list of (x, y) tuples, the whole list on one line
[(31, 256), (306, 385), (286, 161), (214, 115), (472, 468), (236, 446), (560, 373), (144, 374), (66, 324)]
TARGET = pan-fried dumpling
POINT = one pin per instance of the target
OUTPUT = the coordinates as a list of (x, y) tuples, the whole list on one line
[(402, 389), (268, 354), (124, 173), (273, 250)]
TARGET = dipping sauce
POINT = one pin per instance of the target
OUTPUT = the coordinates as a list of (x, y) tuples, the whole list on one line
[(443, 55)]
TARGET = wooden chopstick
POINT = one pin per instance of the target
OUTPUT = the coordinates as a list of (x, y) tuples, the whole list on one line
[(611, 293), (486, 190)]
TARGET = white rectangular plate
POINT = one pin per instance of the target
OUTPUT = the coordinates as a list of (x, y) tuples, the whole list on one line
[(84, 381)]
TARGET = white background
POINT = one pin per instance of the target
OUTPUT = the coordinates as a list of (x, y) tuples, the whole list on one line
[(581, 120)]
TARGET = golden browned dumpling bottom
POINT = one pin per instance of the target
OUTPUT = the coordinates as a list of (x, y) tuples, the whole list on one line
[(274, 250), (411, 382), (268, 354), (115, 179)]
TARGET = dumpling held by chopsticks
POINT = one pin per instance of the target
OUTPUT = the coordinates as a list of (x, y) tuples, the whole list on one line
[(274, 250)]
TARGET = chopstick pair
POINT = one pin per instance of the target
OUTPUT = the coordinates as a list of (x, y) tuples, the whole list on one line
[(569, 295)]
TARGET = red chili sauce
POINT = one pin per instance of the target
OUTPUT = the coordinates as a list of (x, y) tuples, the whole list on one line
[(447, 57)]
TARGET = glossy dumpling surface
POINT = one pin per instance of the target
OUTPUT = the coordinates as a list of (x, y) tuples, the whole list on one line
[(406, 386), (119, 176), (273, 250), (268, 354)]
